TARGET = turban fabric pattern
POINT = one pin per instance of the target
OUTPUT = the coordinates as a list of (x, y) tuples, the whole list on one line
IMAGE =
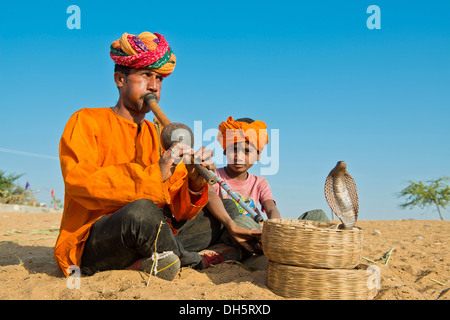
[(147, 50), (231, 132)]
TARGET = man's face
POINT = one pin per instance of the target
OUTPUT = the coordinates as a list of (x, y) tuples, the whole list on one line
[(135, 86), (241, 156)]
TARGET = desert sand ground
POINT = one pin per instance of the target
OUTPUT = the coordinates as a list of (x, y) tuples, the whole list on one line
[(419, 268)]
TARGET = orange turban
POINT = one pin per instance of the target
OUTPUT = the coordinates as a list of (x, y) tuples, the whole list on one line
[(233, 131)]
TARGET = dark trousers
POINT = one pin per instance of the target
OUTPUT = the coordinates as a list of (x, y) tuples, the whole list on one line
[(118, 240)]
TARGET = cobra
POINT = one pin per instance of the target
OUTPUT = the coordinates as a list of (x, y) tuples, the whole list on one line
[(341, 195)]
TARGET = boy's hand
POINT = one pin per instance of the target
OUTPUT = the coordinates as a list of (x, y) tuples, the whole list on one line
[(249, 239)]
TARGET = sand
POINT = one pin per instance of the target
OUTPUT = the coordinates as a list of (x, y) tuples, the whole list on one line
[(419, 268)]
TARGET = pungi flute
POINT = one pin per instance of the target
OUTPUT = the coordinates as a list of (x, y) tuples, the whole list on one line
[(257, 217), (209, 175)]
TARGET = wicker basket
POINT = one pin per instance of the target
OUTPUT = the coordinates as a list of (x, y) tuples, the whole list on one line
[(311, 244), (317, 284)]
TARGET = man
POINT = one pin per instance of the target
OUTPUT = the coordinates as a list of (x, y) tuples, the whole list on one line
[(124, 201)]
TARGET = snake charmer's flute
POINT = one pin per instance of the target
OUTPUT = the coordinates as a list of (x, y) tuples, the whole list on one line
[(187, 135)]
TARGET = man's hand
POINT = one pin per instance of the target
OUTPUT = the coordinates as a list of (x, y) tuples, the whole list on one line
[(203, 157), (177, 152), (167, 164)]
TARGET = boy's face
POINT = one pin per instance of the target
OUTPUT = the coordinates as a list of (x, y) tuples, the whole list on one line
[(241, 156)]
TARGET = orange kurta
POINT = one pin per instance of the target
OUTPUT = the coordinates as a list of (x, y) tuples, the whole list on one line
[(105, 165)]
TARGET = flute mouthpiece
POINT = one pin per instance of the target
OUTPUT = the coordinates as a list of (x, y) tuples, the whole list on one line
[(149, 98)]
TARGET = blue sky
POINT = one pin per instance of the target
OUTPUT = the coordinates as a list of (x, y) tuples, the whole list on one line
[(334, 89)]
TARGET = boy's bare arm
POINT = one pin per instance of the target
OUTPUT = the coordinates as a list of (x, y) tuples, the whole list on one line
[(271, 209), (215, 206)]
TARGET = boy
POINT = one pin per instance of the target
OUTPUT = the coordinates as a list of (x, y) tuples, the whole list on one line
[(243, 141)]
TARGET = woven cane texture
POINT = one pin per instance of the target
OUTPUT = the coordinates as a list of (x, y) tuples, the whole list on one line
[(311, 244), (317, 284)]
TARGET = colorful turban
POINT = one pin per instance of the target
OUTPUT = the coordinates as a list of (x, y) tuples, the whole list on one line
[(232, 131), (147, 50)]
